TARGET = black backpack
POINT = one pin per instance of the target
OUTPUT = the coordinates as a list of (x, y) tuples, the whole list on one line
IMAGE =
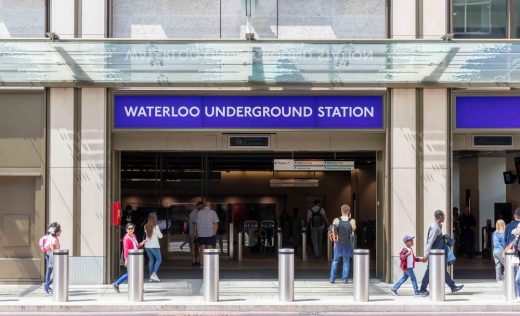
[(344, 232), (316, 218)]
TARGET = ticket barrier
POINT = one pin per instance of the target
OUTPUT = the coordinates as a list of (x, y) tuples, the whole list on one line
[(250, 233), (267, 235)]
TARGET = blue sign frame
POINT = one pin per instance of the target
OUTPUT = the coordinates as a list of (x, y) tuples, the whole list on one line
[(139, 111), (487, 112)]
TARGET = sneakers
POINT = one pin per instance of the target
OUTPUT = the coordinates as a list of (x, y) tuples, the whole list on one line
[(154, 278), (394, 292), (420, 294), (47, 289), (332, 281), (345, 281), (456, 288), (517, 300), (116, 287)]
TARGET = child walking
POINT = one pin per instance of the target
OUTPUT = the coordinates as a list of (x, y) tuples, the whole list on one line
[(408, 260)]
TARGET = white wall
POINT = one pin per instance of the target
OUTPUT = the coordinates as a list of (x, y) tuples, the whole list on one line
[(491, 187), (455, 186)]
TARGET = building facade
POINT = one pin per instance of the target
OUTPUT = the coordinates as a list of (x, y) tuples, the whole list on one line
[(62, 151)]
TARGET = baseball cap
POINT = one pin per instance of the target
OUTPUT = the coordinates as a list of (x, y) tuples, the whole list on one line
[(407, 237)]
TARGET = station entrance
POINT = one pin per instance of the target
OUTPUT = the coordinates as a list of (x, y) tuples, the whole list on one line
[(251, 198)]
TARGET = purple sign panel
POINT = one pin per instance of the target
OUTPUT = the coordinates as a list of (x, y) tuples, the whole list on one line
[(277, 112), (487, 112)]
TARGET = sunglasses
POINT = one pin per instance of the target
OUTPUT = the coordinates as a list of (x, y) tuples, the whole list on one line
[(130, 228)]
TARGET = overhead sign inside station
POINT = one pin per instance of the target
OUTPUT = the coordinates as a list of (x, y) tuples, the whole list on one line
[(312, 165), (251, 112)]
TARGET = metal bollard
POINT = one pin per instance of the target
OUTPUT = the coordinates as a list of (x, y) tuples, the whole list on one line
[(329, 249), (211, 275), (437, 274), (135, 275), (304, 246), (509, 276), (231, 241), (61, 275), (361, 274), (239, 245), (286, 274), (279, 239)]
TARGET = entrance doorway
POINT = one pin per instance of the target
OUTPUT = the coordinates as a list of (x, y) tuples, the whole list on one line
[(247, 192), (482, 194)]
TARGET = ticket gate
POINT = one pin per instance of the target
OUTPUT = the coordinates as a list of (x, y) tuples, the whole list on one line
[(250, 233), (267, 236)]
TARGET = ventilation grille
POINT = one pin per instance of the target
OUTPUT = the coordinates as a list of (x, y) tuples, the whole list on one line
[(489, 141)]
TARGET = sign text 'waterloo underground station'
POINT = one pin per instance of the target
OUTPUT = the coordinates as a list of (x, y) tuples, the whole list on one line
[(171, 112)]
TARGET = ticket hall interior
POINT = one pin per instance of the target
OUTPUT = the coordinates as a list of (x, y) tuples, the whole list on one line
[(251, 198)]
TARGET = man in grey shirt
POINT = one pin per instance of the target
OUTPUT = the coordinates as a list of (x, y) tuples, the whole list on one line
[(192, 219), (436, 240), (206, 227)]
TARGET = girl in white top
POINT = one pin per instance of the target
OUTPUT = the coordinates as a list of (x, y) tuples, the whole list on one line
[(152, 246)]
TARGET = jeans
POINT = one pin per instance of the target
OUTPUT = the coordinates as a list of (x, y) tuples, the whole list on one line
[(48, 272), (122, 279), (334, 268), (407, 274), (154, 259), (317, 241), (499, 264), (426, 279), (517, 281)]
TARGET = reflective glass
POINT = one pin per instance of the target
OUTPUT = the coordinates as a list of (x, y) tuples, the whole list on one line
[(173, 63), (480, 18)]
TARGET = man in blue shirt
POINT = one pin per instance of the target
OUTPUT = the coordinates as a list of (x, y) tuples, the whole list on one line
[(509, 228)]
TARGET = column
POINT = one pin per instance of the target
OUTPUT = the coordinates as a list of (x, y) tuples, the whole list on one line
[(93, 184), (61, 163), (63, 18), (403, 19), (434, 19), (403, 171), (94, 19)]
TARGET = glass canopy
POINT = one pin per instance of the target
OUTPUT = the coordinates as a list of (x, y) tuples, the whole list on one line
[(113, 63)]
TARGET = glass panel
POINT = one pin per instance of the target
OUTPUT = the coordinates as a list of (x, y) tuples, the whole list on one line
[(480, 18), (22, 18), (516, 19), (119, 63)]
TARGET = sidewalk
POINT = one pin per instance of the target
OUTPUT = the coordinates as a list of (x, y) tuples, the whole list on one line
[(254, 295)]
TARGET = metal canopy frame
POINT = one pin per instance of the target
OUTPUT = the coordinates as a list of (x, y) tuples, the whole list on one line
[(238, 63)]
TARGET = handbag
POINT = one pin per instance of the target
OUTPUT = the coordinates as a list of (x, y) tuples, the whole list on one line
[(122, 259)]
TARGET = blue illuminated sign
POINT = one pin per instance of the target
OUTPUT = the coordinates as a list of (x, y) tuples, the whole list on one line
[(487, 112), (229, 112)]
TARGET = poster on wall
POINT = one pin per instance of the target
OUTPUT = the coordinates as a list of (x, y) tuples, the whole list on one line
[(272, 112)]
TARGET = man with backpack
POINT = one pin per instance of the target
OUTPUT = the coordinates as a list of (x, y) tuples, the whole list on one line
[(317, 220), (341, 232)]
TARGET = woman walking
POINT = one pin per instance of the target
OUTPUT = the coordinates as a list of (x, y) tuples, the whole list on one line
[(153, 248), (52, 243), (129, 243), (499, 245)]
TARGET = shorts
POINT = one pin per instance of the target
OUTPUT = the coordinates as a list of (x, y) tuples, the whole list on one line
[(207, 241)]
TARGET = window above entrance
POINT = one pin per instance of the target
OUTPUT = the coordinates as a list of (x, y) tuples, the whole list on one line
[(113, 63)]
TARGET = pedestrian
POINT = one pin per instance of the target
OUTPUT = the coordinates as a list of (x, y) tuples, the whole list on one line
[(408, 260), (194, 247), (185, 233), (317, 219), (509, 228), (206, 227), (467, 224), (436, 240), (129, 242), (342, 233), (285, 225), (515, 244), (499, 246), (52, 243), (152, 246)]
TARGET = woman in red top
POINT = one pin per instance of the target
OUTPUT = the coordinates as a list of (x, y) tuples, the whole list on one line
[(129, 243)]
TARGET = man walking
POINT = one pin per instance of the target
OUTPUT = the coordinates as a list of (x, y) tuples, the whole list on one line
[(317, 219), (206, 227), (436, 240), (192, 219), (513, 225)]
